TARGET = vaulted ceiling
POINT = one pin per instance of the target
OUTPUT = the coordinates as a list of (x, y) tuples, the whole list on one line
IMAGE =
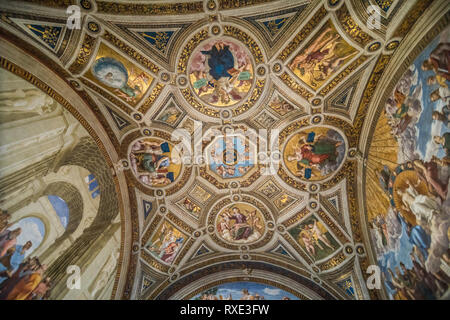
[(311, 73)]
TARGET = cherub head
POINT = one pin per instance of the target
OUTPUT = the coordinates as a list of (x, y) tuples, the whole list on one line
[(439, 140)]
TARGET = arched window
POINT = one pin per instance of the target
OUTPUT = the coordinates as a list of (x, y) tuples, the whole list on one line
[(61, 209), (93, 186), (33, 230)]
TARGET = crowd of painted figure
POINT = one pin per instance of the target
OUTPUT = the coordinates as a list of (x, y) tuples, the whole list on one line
[(245, 296), (426, 274), (21, 277)]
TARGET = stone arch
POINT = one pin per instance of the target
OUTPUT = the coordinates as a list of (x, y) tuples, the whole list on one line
[(297, 280), (86, 155), (72, 197)]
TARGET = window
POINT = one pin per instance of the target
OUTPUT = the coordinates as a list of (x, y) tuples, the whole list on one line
[(93, 185), (61, 209)]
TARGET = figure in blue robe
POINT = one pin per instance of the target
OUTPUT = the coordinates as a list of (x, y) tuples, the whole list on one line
[(417, 236), (11, 263), (220, 61)]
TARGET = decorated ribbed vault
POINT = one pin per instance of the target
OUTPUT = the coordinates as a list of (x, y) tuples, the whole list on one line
[(227, 149)]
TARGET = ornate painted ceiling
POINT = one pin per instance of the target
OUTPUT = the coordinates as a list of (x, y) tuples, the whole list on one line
[(245, 141)]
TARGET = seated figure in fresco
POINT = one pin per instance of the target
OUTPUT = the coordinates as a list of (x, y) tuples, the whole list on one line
[(241, 229), (165, 239), (428, 172), (171, 250), (314, 152), (439, 61), (444, 140), (170, 116), (151, 162), (422, 206), (223, 74), (443, 115), (384, 177), (408, 110)]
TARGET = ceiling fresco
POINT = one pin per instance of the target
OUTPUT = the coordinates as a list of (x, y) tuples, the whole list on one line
[(249, 149)]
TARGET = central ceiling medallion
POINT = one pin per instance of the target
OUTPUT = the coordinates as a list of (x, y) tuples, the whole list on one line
[(221, 73), (231, 156)]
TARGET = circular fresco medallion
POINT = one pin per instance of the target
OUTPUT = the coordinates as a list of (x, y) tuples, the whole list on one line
[(314, 154), (155, 162), (240, 223), (221, 73)]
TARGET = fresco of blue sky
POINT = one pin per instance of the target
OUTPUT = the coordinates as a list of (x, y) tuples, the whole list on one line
[(61, 208), (33, 230), (245, 291)]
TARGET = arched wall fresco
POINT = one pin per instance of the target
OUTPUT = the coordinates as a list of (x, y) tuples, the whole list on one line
[(232, 142)]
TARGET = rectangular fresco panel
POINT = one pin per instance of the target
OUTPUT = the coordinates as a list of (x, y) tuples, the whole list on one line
[(322, 57), (313, 237), (118, 76), (166, 242)]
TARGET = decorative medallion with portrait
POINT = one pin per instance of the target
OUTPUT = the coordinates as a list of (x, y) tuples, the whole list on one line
[(221, 73), (240, 223), (155, 162), (314, 154)]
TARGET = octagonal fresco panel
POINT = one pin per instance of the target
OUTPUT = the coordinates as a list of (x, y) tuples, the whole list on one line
[(221, 73), (240, 223), (231, 156), (314, 154), (155, 163)]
